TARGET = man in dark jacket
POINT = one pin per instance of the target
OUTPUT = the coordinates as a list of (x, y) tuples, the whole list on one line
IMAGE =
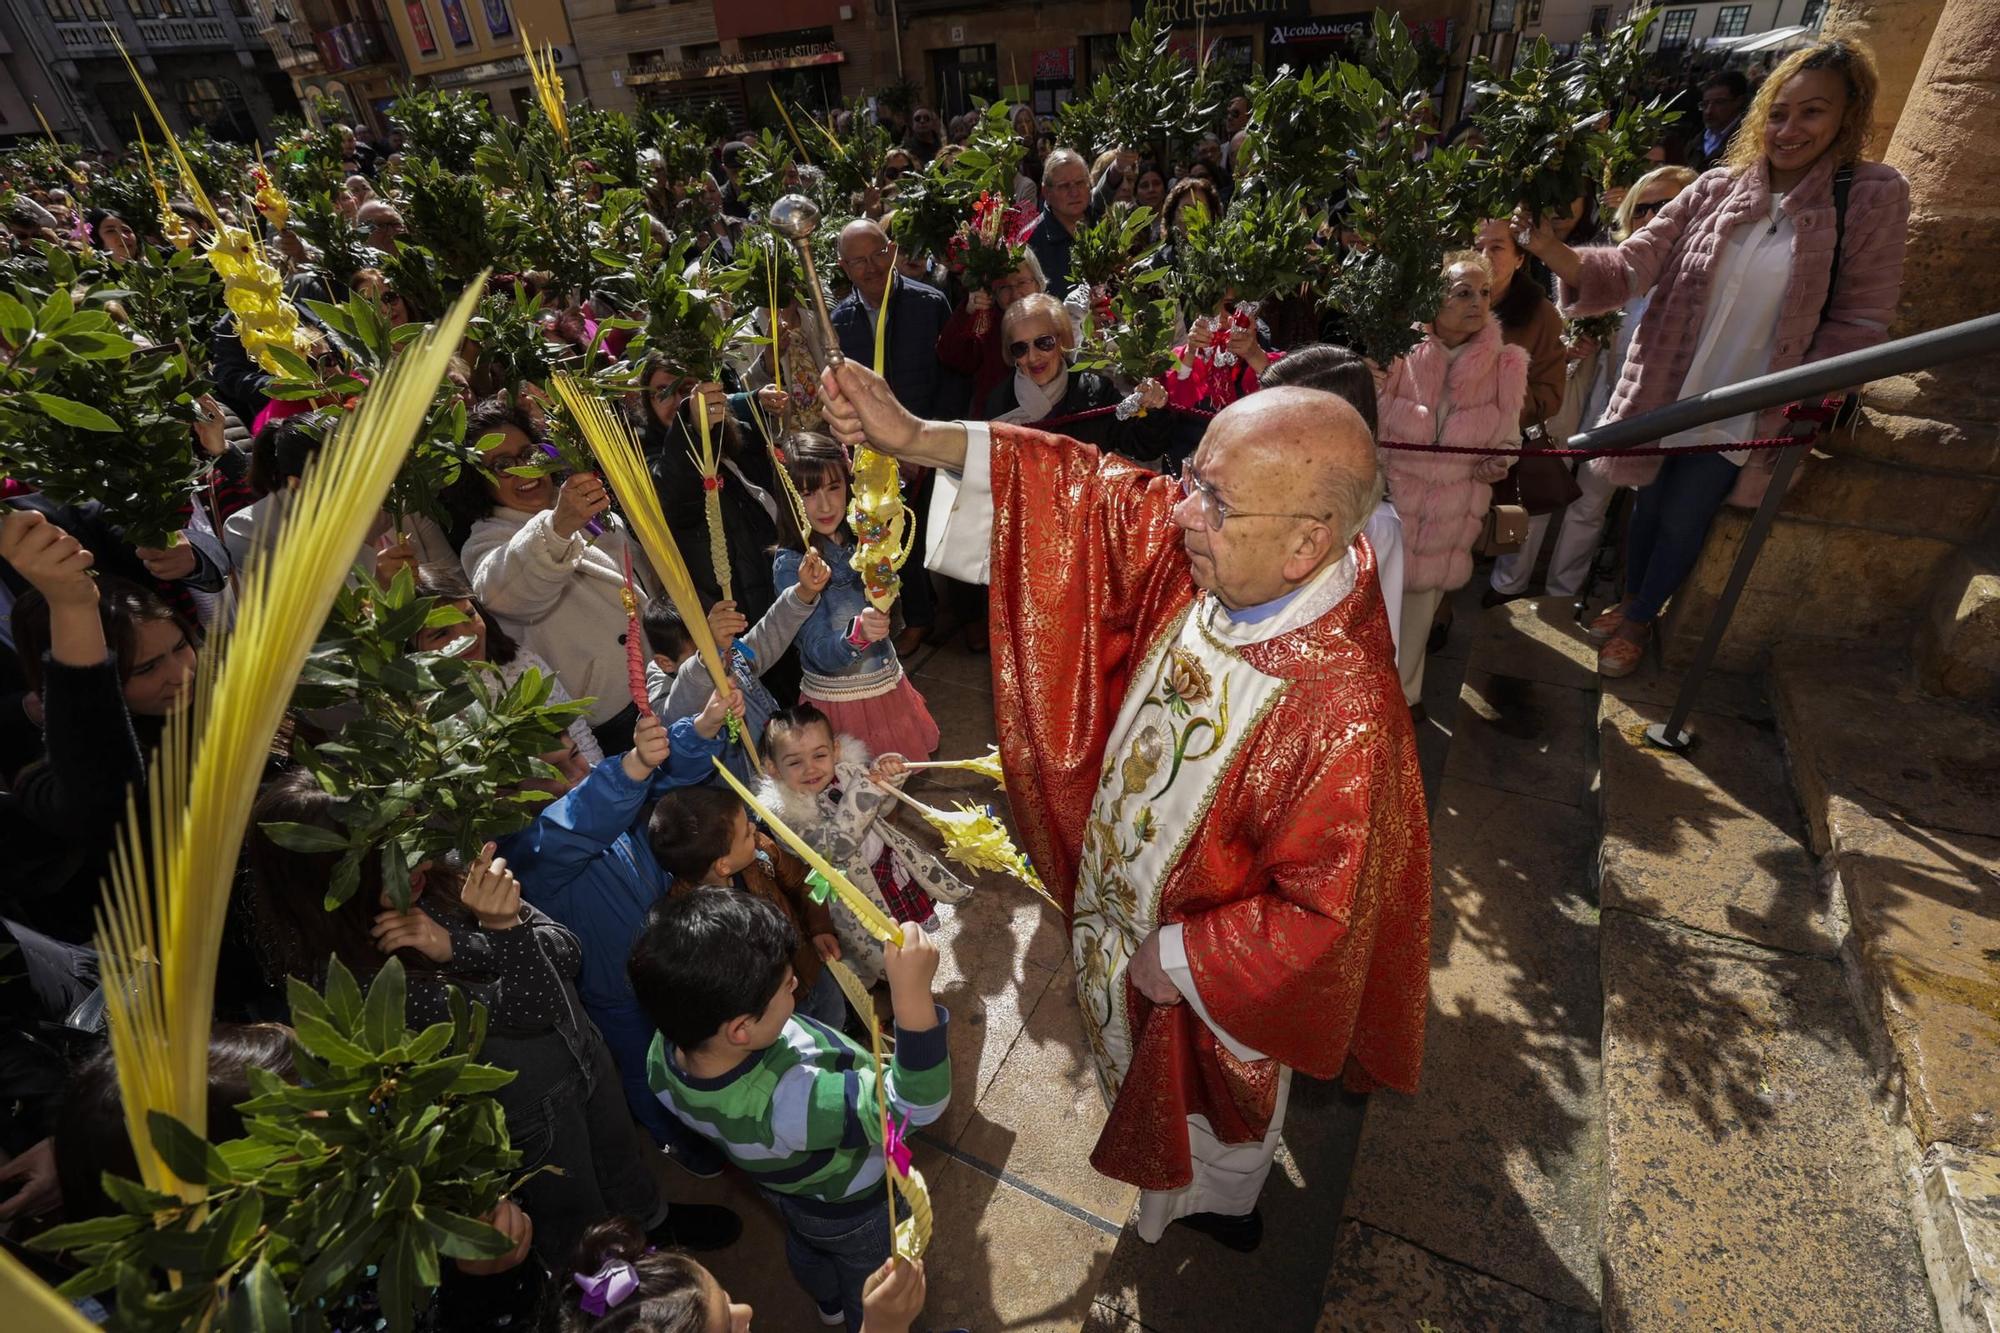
[(917, 314), (1724, 95)]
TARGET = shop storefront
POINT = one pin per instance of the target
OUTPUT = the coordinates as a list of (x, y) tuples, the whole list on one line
[(804, 75)]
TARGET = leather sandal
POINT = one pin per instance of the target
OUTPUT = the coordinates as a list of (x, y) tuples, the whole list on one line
[(1607, 623), (1623, 651)]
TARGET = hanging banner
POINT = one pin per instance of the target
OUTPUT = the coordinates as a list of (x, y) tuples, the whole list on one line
[(455, 22), (420, 27), (497, 21)]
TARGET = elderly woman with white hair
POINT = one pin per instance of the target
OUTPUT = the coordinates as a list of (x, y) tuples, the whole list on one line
[(1038, 344)]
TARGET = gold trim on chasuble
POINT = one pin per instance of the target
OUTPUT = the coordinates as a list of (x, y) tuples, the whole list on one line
[(1172, 746)]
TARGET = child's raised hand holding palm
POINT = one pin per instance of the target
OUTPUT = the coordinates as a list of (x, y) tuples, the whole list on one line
[(650, 747)]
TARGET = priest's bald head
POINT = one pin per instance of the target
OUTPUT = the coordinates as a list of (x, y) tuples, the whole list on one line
[(1282, 482)]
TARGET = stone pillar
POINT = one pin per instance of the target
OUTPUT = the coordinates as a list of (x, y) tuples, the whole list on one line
[(1899, 32), (1945, 144)]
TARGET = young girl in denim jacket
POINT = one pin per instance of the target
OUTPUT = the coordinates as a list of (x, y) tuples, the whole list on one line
[(852, 673)]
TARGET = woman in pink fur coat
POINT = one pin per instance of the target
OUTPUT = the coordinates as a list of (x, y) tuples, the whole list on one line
[(1744, 281), (1461, 386)]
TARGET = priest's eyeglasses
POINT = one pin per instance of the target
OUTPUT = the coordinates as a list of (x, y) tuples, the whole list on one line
[(1214, 513)]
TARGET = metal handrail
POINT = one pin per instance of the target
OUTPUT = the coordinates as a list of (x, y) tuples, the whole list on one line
[(1835, 374), (1807, 383)]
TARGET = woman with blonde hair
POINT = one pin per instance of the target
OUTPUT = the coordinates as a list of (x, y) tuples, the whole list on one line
[(1791, 253)]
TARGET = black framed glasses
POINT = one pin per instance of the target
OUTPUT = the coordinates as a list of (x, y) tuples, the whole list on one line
[(1047, 342), (1645, 208)]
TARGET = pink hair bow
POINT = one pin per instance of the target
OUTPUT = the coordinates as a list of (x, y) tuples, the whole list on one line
[(608, 1287), (896, 1147)]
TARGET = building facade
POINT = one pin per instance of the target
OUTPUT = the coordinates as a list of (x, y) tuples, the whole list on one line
[(1691, 27), (341, 51), (475, 45), (205, 61), (813, 53)]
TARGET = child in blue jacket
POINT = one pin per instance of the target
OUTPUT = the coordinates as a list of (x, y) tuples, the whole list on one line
[(585, 861)]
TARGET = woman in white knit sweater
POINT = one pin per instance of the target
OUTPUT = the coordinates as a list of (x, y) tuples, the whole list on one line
[(535, 566)]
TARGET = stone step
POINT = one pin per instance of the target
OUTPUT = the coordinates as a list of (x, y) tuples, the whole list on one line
[(1918, 439), (1747, 1152), (1749, 1181), (1958, 643), (1813, 580), (1892, 497), (1900, 789)]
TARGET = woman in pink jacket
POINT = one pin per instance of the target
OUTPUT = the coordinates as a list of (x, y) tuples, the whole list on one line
[(1741, 267), (1461, 386)]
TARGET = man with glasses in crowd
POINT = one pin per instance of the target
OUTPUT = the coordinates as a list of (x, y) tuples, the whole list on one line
[(917, 314), (1210, 761)]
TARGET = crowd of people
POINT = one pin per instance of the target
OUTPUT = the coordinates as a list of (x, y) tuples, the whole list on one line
[(654, 962)]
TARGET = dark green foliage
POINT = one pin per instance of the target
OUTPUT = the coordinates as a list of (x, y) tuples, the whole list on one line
[(380, 1161), (446, 209), (435, 763), (85, 414), (1555, 129), (342, 247), (441, 127), (1106, 248), (1130, 331), (1150, 93)]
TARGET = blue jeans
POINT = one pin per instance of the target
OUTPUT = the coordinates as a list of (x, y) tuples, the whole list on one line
[(1670, 521), (832, 1256), (826, 1002)]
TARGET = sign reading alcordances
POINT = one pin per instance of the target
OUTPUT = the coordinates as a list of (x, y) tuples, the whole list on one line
[(1190, 13), (1332, 30)]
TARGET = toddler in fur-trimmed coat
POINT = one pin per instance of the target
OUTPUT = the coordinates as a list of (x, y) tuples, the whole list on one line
[(1466, 396), (824, 787)]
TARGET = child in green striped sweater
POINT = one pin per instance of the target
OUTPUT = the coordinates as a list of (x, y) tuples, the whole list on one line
[(794, 1103)]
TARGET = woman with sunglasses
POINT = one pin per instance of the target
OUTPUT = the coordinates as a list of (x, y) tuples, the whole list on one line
[(1036, 341)]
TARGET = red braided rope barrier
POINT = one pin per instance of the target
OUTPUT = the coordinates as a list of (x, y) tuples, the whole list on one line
[(1823, 413)]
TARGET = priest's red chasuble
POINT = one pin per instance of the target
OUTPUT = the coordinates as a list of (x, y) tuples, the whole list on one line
[(1166, 768)]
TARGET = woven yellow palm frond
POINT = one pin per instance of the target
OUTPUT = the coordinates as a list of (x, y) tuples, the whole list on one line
[(252, 287), (913, 1232), (873, 919), (793, 500), (974, 837), (851, 986), (160, 928), (173, 226), (883, 534), (618, 454), (708, 461)]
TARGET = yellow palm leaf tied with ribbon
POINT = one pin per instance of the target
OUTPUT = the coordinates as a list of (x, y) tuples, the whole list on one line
[(795, 502), (252, 288), (708, 461), (883, 533), (827, 882), (975, 838), (160, 927), (172, 225), (624, 467), (912, 1234)]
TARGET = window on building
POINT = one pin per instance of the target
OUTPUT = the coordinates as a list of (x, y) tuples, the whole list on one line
[(1676, 28), (1815, 10), (641, 59), (1531, 13), (71, 11), (1099, 54), (1600, 20), (624, 5), (964, 76), (172, 9), (217, 106), (1732, 20)]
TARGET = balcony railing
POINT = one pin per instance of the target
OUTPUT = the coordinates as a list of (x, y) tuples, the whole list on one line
[(91, 38), (185, 34)]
